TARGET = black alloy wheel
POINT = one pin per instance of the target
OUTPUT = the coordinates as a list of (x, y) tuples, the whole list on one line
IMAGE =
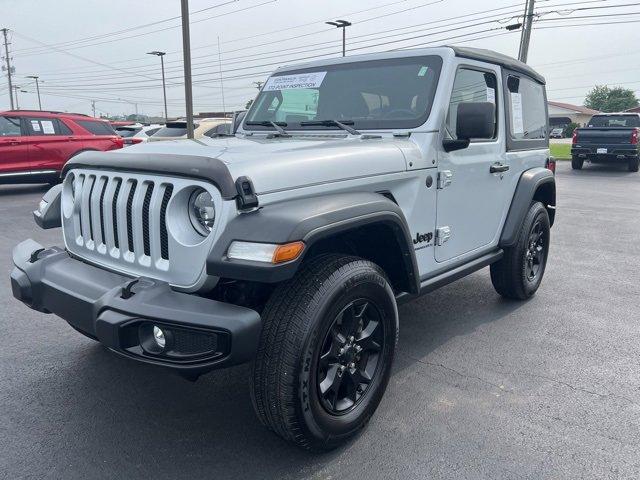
[(349, 357)]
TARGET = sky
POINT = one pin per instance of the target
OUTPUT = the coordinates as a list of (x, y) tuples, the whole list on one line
[(84, 50)]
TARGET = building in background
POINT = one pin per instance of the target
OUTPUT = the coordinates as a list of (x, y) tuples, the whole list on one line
[(562, 114)]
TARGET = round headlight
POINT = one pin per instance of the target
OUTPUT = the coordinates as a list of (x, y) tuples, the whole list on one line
[(202, 211)]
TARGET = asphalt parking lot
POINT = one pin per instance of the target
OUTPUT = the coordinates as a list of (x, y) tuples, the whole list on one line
[(482, 387)]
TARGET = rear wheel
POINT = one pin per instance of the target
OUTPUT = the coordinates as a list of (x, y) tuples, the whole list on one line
[(576, 163), (634, 163), (325, 352), (519, 273)]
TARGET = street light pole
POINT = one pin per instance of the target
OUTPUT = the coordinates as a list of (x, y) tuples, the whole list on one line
[(164, 87), (186, 53), (343, 24), (35, 77)]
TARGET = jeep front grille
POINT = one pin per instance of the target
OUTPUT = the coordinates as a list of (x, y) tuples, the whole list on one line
[(137, 224)]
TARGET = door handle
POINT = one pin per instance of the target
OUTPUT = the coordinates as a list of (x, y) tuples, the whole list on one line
[(498, 168)]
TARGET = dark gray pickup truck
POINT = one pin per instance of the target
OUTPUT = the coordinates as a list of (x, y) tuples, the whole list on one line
[(608, 137)]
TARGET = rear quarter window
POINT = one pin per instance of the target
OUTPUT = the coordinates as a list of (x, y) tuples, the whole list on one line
[(96, 128)]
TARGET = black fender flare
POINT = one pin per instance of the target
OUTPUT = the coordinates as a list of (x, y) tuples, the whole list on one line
[(535, 183), (310, 220)]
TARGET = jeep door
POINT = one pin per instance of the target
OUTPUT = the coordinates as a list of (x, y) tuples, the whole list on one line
[(471, 208)]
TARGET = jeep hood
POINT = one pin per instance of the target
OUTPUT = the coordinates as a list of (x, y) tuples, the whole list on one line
[(282, 163)]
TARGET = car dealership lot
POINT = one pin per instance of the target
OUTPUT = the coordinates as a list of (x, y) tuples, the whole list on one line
[(482, 387)]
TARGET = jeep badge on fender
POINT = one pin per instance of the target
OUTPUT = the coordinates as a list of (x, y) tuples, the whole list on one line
[(289, 243)]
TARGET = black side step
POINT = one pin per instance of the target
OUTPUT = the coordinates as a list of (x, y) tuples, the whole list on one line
[(433, 283)]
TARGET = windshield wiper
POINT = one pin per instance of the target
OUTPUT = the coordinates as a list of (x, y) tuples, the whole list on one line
[(268, 123), (344, 125)]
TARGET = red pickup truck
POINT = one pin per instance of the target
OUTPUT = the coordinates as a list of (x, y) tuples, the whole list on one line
[(35, 145)]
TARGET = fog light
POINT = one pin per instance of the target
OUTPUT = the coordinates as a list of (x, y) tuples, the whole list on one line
[(158, 336)]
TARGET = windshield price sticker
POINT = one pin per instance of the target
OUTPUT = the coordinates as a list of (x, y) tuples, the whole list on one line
[(297, 81)]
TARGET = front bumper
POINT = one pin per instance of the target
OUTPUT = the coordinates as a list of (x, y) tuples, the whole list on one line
[(117, 311)]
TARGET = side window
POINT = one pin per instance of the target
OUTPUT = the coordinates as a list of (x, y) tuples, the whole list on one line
[(527, 109), (97, 127), (471, 86), (10, 127), (151, 131), (63, 128), (43, 126)]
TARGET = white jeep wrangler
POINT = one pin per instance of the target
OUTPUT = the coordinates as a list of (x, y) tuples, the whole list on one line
[(351, 185)]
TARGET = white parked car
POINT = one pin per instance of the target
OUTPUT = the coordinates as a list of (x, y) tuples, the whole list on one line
[(137, 133)]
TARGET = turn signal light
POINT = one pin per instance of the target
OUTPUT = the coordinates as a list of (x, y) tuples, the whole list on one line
[(287, 252)]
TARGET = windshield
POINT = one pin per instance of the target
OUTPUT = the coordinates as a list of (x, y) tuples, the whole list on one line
[(391, 93), (614, 121)]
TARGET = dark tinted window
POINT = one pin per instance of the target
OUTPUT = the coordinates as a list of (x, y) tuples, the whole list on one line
[(614, 121), (527, 108), (126, 132), (9, 127), (151, 131), (173, 129), (97, 128), (64, 129), (223, 129), (391, 93)]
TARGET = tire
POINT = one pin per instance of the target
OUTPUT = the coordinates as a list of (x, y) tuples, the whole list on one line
[(633, 165), (576, 163), (519, 273), (303, 397)]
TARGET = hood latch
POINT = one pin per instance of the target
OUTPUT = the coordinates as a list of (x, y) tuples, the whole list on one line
[(247, 200)]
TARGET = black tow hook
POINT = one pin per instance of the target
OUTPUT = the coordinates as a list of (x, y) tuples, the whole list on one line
[(34, 255), (126, 290)]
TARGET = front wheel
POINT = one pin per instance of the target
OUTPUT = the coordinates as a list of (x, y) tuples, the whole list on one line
[(519, 273), (325, 353)]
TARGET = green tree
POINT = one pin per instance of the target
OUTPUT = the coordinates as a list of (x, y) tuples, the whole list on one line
[(616, 99)]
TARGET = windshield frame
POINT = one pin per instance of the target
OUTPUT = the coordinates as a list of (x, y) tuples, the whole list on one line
[(434, 61)]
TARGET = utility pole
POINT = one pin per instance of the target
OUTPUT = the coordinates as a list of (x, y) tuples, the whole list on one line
[(258, 85), (93, 107), (35, 77), (525, 37), (6, 52), (343, 24), (224, 107), (164, 88), (16, 88), (186, 53)]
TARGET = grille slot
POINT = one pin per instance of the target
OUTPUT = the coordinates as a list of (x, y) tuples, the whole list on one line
[(164, 237), (145, 219), (114, 212), (132, 192)]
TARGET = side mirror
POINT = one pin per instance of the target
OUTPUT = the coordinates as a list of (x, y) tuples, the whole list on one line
[(48, 213), (474, 120)]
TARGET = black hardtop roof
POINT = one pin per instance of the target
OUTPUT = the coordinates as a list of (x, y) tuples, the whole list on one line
[(496, 58)]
